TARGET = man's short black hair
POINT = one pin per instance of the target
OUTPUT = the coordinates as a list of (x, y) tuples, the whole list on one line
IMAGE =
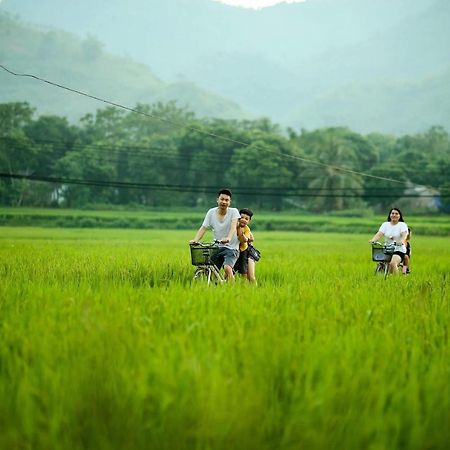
[(226, 192), (247, 211)]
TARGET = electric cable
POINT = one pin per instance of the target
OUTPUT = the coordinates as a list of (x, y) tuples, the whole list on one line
[(214, 135), (293, 192)]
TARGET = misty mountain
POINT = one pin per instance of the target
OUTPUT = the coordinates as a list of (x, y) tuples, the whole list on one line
[(322, 62), (82, 64), (412, 106), (171, 34)]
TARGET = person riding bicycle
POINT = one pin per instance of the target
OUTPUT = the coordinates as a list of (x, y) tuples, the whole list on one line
[(394, 230), (222, 220)]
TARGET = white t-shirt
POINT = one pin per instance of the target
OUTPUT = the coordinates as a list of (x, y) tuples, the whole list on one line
[(221, 228), (395, 231)]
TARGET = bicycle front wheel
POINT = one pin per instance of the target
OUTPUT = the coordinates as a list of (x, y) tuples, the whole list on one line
[(216, 277), (380, 269), (202, 275)]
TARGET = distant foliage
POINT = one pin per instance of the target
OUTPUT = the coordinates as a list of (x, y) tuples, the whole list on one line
[(164, 156)]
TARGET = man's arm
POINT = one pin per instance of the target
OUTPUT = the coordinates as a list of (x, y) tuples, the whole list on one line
[(200, 233), (232, 231)]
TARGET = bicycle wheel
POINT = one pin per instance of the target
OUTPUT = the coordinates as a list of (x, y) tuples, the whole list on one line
[(380, 269), (202, 275), (216, 277)]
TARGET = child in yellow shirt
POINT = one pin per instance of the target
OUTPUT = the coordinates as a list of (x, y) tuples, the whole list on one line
[(245, 265)]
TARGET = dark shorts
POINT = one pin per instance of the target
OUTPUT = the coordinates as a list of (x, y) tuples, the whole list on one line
[(241, 265), (401, 254), (225, 257)]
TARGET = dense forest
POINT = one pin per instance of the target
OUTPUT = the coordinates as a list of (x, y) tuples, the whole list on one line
[(163, 156)]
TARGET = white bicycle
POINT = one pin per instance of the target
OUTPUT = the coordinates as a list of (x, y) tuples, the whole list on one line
[(201, 256)]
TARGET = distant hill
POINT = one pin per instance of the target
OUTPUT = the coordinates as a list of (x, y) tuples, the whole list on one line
[(82, 64), (397, 81), (388, 107), (170, 35), (319, 63)]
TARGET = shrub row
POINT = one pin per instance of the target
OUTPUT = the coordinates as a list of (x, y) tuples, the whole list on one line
[(189, 223)]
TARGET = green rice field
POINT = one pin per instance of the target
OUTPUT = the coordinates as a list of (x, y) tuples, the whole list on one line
[(105, 343)]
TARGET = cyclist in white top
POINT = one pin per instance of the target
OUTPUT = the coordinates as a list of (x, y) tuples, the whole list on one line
[(393, 230), (222, 220)]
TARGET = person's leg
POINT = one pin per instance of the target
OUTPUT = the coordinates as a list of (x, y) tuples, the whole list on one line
[(244, 263), (229, 275), (241, 264), (251, 271), (405, 264), (230, 258), (393, 265)]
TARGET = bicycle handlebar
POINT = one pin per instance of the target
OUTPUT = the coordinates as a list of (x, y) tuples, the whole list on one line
[(205, 244)]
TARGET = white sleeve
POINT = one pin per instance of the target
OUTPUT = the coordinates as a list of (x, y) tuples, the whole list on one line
[(383, 228), (207, 221), (236, 214)]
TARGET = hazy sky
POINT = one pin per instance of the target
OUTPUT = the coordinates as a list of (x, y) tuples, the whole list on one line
[(255, 4)]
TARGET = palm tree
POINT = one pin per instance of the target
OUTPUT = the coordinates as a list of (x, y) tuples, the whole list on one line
[(333, 182)]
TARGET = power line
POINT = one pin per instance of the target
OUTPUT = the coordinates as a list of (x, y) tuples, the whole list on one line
[(118, 105), (271, 192), (175, 162), (171, 161), (115, 149), (224, 138)]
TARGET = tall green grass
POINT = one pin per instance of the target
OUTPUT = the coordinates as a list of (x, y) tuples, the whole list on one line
[(106, 344)]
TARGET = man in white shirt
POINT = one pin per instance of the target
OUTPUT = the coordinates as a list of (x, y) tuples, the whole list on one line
[(222, 220)]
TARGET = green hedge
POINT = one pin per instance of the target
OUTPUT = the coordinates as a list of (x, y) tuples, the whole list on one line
[(181, 221)]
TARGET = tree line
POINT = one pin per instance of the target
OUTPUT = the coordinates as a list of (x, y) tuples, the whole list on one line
[(161, 155)]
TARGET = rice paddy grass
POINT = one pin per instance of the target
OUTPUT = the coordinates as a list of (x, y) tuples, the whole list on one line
[(107, 344)]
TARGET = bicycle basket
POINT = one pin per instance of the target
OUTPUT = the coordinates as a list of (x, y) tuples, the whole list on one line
[(378, 253), (201, 254)]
